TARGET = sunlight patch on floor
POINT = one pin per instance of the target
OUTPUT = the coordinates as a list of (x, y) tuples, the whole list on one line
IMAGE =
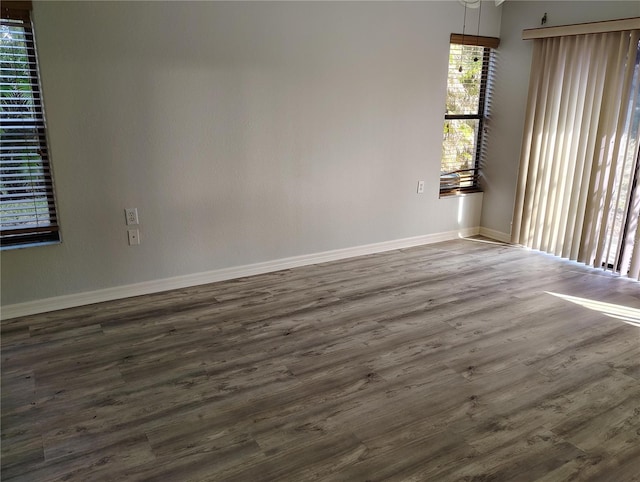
[(620, 312)]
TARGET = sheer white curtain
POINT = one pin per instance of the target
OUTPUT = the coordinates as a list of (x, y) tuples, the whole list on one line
[(576, 196)]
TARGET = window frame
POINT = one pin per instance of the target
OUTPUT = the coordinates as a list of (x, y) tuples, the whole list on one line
[(489, 44), (33, 230)]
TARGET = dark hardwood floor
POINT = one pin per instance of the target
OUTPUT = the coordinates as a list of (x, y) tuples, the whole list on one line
[(452, 361)]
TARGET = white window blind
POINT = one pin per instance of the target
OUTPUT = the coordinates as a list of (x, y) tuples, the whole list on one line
[(471, 64), (27, 203)]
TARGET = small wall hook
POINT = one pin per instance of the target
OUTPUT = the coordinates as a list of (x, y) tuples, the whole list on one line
[(544, 19)]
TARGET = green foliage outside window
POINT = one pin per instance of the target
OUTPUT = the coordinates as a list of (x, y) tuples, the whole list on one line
[(464, 104), (27, 205)]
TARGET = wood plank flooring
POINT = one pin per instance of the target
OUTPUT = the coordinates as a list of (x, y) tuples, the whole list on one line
[(446, 362)]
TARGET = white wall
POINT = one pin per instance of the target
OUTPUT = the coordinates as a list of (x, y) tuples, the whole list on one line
[(510, 96), (242, 132)]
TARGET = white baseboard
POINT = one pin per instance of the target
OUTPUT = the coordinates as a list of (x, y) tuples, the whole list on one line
[(155, 286), (497, 235)]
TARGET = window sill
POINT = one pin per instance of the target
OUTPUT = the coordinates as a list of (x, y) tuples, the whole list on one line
[(28, 245), (459, 192)]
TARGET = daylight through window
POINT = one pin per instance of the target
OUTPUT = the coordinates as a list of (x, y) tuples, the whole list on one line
[(27, 203), (468, 89)]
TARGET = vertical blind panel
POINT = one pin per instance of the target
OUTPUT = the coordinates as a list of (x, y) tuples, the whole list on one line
[(629, 248), (578, 193), (568, 145), (27, 204), (525, 172), (611, 186), (592, 168), (604, 163), (538, 165), (550, 132), (570, 197), (632, 253), (594, 78), (548, 211), (623, 154)]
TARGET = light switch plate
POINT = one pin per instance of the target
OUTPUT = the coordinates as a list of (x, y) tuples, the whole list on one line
[(134, 237)]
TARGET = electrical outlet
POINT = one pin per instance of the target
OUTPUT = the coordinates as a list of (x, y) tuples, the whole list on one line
[(132, 216), (420, 187), (134, 237)]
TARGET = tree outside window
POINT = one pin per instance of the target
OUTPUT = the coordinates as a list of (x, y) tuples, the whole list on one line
[(467, 90)]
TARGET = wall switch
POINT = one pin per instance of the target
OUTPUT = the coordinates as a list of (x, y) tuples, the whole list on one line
[(420, 187), (132, 216), (134, 237)]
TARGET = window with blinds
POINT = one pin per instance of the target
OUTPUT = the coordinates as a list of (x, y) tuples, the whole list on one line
[(468, 87), (27, 203)]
